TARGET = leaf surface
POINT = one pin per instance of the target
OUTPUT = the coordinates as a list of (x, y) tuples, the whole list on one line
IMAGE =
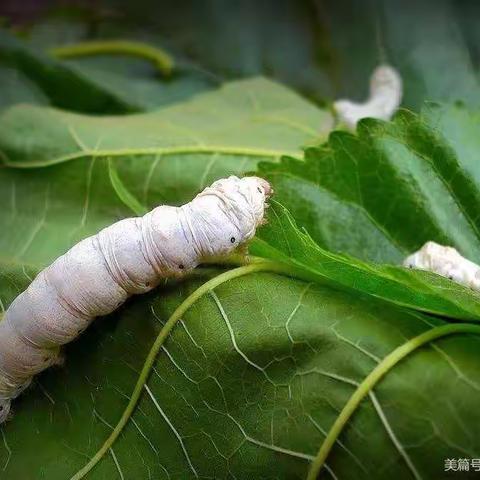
[(105, 84), (327, 49), (420, 39), (423, 291), (252, 378), (247, 386), (64, 87), (63, 191), (381, 194)]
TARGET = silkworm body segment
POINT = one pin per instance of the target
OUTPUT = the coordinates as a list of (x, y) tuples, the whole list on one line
[(131, 256), (384, 99), (445, 261)]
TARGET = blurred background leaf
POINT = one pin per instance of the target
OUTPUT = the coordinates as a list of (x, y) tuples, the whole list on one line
[(324, 49)]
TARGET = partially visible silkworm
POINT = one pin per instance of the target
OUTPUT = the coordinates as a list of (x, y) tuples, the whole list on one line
[(131, 256), (445, 261), (384, 100)]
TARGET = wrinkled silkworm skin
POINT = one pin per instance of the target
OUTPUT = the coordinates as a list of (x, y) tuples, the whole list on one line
[(385, 98), (445, 261), (131, 256)]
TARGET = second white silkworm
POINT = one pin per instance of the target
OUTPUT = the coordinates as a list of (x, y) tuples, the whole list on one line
[(384, 100), (445, 261), (131, 256)]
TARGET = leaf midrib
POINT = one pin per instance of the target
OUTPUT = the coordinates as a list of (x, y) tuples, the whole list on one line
[(161, 151), (302, 271)]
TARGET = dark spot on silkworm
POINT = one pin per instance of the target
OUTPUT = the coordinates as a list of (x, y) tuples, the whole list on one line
[(46, 359), (450, 277), (259, 190), (232, 240), (1, 408), (181, 266), (147, 284)]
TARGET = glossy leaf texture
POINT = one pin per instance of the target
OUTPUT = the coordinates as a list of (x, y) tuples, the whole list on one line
[(244, 117), (256, 372), (247, 386), (379, 195), (166, 156), (382, 193), (422, 291)]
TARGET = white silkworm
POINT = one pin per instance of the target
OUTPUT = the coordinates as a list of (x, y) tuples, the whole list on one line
[(384, 100), (131, 256), (445, 261)]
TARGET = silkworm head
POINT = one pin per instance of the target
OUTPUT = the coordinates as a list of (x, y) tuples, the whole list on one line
[(385, 78), (421, 258), (433, 256), (245, 199), (229, 211)]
